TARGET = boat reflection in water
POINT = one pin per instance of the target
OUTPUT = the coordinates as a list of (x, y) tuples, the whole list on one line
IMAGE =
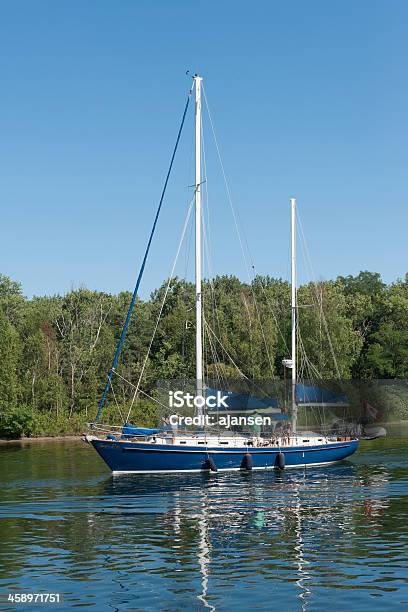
[(258, 527)]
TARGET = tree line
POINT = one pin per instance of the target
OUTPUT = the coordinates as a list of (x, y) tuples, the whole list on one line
[(56, 351)]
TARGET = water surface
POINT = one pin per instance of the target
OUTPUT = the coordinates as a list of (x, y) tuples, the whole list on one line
[(334, 536)]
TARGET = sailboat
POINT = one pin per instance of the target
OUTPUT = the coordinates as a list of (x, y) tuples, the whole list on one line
[(129, 449)]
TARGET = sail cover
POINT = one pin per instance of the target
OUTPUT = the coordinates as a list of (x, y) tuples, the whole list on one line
[(315, 396), (132, 430)]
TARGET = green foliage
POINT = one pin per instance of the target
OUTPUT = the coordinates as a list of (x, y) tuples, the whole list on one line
[(55, 352), (331, 342), (365, 283), (48, 424), (387, 355), (9, 356), (392, 396), (18, 421)]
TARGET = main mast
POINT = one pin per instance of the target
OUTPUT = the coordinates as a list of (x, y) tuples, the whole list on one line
[(198, 272), (294, 313)]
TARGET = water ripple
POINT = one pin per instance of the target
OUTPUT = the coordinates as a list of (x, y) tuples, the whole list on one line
[(295, 540)]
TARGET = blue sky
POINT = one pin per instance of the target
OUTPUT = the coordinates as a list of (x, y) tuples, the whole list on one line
[(309, 100)]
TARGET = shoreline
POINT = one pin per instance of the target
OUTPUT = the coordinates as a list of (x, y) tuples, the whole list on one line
[(69, 438)]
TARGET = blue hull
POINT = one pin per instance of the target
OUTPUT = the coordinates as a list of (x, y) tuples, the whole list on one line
[(127, 457)]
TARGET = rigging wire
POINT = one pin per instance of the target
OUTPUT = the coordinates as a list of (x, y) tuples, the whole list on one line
[(139, 278), (229, 356), (186, 296), (234, 215), (272, 311), (161, 307), (319, 299), (154, 399), (208, 259), (116, 401)]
